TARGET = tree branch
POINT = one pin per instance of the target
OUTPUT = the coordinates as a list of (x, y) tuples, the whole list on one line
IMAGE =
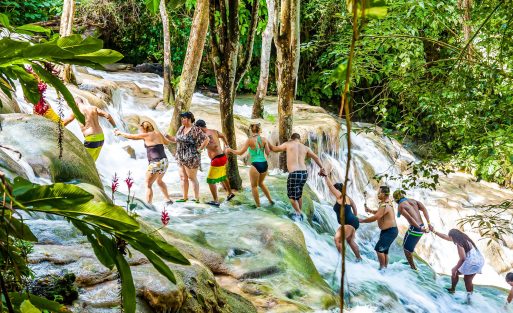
[(246, 61)]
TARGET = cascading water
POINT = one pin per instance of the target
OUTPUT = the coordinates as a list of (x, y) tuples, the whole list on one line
[(398, 289)]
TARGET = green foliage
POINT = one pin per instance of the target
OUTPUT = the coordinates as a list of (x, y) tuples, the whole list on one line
[(109, 229), (31, 11), (418, 175)]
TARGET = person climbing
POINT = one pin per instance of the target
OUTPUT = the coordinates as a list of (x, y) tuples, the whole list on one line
[(218, 160), (509, 280), (386, 222), (296, 156), (191, 141), (351, 222), (471, 261), (410, 209), (91, 130), (258, 147), (154, 143)]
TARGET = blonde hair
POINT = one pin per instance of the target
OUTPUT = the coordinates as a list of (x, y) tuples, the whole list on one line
[(147, 126)]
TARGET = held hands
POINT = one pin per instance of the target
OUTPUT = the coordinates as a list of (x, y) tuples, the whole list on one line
[(431, 228), (322, 173), (116, 132)]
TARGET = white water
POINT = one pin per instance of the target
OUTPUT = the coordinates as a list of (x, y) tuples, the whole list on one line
[(416, 292)]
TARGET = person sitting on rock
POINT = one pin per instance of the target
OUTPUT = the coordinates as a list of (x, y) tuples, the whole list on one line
[(386, 222), (351, 222), (410, 209), (92, 130), (154, 143), (218, 160)]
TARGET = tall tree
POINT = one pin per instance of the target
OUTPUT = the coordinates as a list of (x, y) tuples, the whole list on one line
[(286, 39), (66, 29), (466, 7), (168, 93), (230, 64), (192, 62), (265, 58)]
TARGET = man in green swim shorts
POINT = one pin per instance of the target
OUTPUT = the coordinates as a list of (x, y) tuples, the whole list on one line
[(92, 130)]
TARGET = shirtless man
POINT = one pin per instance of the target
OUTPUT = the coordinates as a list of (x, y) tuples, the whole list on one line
[(411, 209), (92, 130), (386, 222), (218, 160), (296, 155)]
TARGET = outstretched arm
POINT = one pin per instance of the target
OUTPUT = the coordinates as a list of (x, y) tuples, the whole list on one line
[(107, 116), (379, 214), (68, 120), (443, 236), (510, 296), (241, 151), (129, 136), (425, 213), (170, 138), (314, 157), (334, 191), (353, 205), (280, 148)]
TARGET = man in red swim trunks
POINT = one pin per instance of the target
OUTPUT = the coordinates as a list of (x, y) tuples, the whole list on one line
[(217, 171)]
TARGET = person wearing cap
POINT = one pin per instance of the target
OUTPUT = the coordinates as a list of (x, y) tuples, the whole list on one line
[(218, 160), (190, 142), (410, 209)]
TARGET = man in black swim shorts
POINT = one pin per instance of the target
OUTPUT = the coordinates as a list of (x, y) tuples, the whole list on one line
[(386, 222), (296, 156)]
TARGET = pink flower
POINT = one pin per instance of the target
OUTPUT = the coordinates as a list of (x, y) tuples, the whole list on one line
[(41, 107), (114, 185), (129, 182), (164, 217), (41, 87)]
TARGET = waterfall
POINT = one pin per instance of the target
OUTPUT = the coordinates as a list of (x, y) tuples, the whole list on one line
[(398, 289)]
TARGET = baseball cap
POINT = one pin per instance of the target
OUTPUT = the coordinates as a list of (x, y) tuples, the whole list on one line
[(201, 123)]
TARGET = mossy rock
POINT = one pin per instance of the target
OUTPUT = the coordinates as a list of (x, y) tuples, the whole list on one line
[(37, 139)]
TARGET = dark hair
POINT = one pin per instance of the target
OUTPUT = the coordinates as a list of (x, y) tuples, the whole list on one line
[(201, 123), (188, 115), (384, 190), (255, 128), (147, 126), (339, 186), (295, 136), (509, 277), (461, 239)]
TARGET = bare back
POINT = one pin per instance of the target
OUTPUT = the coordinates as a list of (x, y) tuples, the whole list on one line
[(153, 138), (388, 218), (92, 125), (296, 155), (412, 208), (214, 144)]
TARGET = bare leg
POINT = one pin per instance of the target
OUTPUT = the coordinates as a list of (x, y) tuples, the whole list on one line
[(300, 202), (163, 186), (150, 179), (184, 182), (386, 260), (409, 257), (213, 191), (468, 282), (254, 176), (351, 241), (382, 260), (192, 174), (227, 187), (338, 239), (264, 188), (295, 205), (454, 281)]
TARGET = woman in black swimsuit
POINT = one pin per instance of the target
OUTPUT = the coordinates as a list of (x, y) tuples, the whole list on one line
[(351, 222), (154, 143), (258, 148)]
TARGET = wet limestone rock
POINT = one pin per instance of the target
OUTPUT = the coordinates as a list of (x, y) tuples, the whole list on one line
[(37, 139)]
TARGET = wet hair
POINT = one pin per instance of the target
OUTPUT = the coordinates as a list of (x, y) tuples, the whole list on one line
[(399, 194), (295, 136), (147, 126), (384, 190), (255, 128), (461, 239), (339, 186), (509, 277)]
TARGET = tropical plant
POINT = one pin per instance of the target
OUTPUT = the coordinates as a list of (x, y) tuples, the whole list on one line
[(31, 47), (107, 227)]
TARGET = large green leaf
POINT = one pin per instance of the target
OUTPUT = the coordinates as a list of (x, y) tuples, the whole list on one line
[(102, 252), (57, 196), (33, 29), (161, 248), (373, 8), (102, 56), (20, 230), (27, 307), (45, 50), (4, 20), (127, 284), (39, 302), (10, 48), (57, 84), (152, 5), (157, 262), (77, 45)]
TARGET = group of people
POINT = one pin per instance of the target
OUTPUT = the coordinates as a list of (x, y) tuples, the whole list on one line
[(470, 261), (193, 137)]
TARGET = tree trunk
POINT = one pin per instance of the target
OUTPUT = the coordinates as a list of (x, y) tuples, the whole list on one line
[(168, 92), (267, 40), (66, 28), (192, 62), (286, 38), (466, 6)]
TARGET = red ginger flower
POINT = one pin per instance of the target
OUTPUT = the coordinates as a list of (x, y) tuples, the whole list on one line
[(114, 185), (129, 182), (164, 217)]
